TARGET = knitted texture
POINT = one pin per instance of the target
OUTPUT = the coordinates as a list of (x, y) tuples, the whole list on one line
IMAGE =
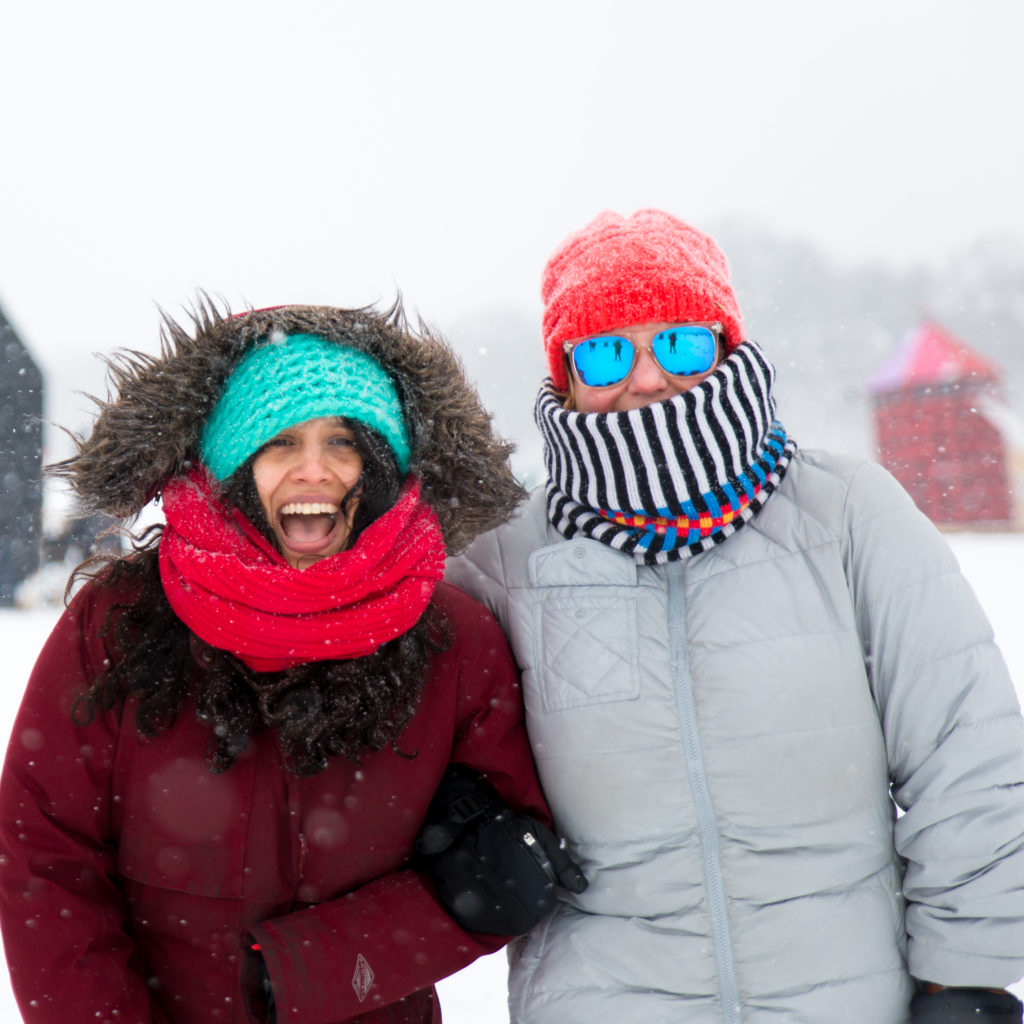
[(283, 382), (674, 478), (229, 585), (620, 271)]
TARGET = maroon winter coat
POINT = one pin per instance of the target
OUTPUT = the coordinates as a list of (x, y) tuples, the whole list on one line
[(130, 873)]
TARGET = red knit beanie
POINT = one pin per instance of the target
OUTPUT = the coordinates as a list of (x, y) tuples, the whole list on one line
[(619, 271)]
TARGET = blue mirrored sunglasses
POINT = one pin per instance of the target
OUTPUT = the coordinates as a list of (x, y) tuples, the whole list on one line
[(681, 351)]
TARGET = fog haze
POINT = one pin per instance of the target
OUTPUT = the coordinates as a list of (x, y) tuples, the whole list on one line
[(339, 151)]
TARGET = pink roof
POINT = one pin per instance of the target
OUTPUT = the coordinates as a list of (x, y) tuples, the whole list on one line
[(929, 355)]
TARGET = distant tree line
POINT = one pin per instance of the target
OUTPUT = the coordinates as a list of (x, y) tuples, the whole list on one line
[(827, 325)]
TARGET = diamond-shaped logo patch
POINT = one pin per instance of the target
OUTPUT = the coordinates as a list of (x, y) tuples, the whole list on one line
[(362, 980)]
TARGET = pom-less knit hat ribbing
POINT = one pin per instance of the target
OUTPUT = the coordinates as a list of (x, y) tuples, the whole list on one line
[(619, 271), (300, 377)]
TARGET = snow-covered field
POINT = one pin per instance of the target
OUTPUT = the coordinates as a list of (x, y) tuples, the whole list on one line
[(994, 563)]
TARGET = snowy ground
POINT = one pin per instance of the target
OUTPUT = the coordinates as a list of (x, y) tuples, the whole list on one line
[(994, 563)]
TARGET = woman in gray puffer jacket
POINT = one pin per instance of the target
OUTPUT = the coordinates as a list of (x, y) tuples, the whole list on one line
[(767, 710)]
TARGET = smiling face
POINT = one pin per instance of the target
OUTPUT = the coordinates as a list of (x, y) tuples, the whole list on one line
[(648, 383), (302, 477)]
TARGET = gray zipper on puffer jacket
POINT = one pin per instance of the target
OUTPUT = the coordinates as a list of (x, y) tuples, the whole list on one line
[(723, 742), (707, 822)]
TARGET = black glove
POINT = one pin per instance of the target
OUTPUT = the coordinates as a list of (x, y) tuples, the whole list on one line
[(963, 1005), (256, 985), (494, 869)]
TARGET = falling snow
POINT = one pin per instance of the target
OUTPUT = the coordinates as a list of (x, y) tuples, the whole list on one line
[(994, 564)]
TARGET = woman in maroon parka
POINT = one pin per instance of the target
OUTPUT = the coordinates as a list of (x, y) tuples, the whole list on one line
[(231, 739)]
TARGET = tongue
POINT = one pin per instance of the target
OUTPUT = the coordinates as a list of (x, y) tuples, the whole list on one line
[(307, 528)]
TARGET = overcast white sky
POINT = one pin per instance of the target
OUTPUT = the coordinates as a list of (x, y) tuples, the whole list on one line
[(333, 151)]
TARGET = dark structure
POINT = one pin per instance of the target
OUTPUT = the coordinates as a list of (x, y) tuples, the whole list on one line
[(935, 435), (21, 462)]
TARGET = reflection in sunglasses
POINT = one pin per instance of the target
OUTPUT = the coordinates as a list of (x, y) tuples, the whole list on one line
[(681, 351)]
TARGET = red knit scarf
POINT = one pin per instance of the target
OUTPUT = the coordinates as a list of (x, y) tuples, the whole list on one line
[(234, 590)]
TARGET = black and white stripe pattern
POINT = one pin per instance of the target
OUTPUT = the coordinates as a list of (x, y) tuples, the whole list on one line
[(691, 454)]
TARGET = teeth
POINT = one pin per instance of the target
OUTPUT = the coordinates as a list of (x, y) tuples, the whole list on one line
[(310, 508)]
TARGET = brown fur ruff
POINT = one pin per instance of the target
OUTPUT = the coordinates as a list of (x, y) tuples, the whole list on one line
[(147, 429)]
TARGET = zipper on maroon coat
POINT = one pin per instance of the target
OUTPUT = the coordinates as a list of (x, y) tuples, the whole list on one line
[(299, 844)]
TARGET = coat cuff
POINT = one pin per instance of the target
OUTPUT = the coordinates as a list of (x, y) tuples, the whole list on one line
[(959, 969), (363, 951)]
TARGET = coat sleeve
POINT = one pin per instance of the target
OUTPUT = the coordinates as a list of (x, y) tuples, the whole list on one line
[(477, 572), (62, 913), (954, 738), (391, 937)]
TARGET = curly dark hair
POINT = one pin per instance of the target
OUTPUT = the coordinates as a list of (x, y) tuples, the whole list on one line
[(319, 709)]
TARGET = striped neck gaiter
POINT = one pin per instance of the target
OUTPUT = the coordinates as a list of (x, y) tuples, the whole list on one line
[(674, 478)]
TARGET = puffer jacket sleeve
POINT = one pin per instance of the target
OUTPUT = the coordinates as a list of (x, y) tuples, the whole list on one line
[(63, 915), (392, 934), (954, 737), (478, 572)]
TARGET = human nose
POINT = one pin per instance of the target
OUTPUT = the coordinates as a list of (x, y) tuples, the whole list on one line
[(647, 375), (310, 466)]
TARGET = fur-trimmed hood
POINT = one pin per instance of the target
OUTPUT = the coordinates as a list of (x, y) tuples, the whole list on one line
[(147, 429)]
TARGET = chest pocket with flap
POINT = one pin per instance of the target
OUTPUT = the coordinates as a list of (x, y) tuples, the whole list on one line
[(584, 625)]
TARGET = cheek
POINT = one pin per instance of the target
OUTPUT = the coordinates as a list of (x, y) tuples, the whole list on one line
[(678, 386), (584, 399), (596, 401), (266, 478), (694, 381), (349, 470)]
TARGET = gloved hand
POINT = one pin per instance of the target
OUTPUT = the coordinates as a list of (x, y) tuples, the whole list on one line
[(259, 994), (964, 1006), (494, 869)]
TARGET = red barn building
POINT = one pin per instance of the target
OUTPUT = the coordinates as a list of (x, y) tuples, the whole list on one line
[(932, 432)]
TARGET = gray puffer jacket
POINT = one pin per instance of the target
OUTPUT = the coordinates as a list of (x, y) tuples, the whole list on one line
[(725, 740)]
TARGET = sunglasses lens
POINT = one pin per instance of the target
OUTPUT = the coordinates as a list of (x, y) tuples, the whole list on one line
[(603, 361), (685, 350)]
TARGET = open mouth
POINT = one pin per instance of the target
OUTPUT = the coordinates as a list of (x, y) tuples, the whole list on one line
[(308, 525)]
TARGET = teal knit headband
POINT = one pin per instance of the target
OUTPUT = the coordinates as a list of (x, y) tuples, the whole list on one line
[(280, 383)]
